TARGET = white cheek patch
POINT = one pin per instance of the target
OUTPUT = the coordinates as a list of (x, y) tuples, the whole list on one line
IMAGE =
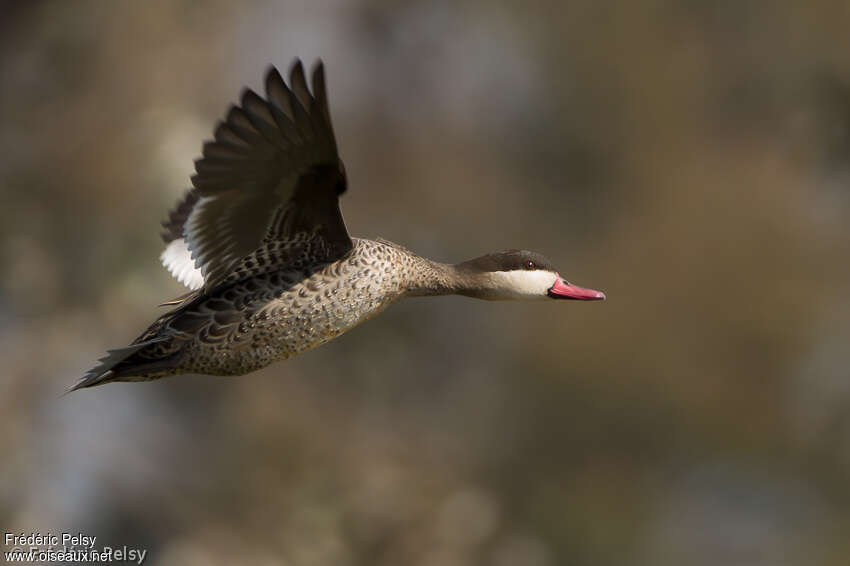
[(521, 284), (177, 259)]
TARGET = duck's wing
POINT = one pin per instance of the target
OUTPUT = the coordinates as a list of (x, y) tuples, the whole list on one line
[(266, 190)]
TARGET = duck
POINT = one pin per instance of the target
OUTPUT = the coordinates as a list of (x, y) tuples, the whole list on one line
[(261, 244)]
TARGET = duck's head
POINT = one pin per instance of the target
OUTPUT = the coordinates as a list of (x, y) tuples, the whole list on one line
[(519, 275)]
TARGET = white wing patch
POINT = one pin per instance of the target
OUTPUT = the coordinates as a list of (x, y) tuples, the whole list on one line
[(200, 241), (177, 259)]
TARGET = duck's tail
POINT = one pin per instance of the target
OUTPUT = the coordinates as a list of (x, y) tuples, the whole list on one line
[(123, 363)]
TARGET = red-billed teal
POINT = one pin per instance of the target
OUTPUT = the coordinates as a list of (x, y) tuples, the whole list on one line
[(261, 242)]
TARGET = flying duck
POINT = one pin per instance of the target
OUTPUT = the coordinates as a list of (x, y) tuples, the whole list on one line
[(260, 241)]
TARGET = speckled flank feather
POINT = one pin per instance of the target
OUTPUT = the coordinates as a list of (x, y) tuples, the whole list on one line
[(253, 322)]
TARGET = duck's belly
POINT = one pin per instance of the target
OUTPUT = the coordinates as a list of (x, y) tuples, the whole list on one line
[(318, 310), (286, 314)]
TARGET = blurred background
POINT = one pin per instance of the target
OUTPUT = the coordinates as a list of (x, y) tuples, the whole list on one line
[(691, 159)]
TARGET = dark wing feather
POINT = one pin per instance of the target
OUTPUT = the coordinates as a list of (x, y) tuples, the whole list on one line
[(173, 227), (271, 176)]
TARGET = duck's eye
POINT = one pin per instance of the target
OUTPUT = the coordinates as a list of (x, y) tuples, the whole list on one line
[(529, 265)]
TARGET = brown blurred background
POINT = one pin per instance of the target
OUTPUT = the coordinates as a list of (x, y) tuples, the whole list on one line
[(692, 159)]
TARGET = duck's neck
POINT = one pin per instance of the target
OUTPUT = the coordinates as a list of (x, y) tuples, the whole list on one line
[(431, 278)]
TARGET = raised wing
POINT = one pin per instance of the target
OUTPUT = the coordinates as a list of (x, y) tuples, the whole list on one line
[(267, 187)]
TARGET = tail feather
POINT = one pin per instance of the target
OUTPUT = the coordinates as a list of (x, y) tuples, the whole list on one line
[(104, 371)]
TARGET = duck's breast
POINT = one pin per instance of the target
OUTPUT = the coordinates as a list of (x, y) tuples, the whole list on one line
[(332, 300)]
